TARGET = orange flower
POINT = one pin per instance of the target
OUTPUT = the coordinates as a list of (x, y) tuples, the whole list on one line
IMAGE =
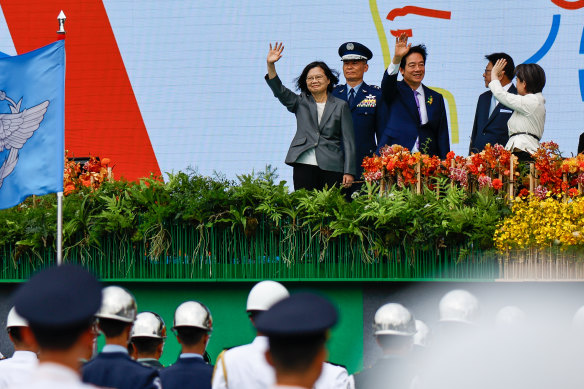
[(497, 184), (68, 189), (105, 162)]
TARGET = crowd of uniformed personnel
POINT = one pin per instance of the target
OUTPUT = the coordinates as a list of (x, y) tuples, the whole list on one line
[(59, 312)]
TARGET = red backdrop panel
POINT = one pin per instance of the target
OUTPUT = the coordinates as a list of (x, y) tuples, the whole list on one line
[(102, 116)]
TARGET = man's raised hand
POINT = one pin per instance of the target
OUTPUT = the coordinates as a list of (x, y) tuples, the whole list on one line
[(401, 46)]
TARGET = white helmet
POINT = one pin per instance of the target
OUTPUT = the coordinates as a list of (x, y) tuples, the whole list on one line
[(394, 319), (15, 320), (422, 336), (148, 325), (265, 294), (118, 304), (193, 314), (459, 306), (510, 316)]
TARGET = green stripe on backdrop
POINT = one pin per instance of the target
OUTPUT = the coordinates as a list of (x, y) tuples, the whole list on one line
[(231, 325)]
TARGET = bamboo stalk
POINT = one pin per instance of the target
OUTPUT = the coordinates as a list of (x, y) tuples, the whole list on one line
[(511, 179), (565, 180), (531, 177), (418, 178), (382, 187), (452, 167)]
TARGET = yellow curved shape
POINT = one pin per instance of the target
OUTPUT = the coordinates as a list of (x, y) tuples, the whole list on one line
[(387, 58), (453, 113), (380, 32)]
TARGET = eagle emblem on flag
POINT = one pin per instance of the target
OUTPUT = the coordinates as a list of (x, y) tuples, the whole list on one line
[(16, 128)]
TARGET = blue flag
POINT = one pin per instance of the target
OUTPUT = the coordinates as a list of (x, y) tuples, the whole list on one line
[(32, 124)]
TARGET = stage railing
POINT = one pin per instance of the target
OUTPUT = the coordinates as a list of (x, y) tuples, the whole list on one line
[(223, 254)]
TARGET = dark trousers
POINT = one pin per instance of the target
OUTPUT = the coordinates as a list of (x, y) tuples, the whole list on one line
[(523, 156), (312, 177)]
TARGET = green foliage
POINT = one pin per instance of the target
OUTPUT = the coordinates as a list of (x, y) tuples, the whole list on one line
[(143, 213)]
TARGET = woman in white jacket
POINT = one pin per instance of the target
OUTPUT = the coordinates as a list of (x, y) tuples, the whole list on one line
[(527, 121)]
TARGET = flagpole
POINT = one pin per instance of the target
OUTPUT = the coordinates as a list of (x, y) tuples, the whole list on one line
[(59, 228), (61, 32)]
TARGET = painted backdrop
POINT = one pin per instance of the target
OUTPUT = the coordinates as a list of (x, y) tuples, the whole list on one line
[(163, 85)]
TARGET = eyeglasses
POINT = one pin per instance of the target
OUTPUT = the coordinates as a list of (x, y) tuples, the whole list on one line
[(320, 77)]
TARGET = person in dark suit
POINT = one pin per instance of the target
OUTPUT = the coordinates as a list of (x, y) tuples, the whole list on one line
[(363, 100), (192, 325), (416, 114), (323, 149), (113, 367), (491, 117)]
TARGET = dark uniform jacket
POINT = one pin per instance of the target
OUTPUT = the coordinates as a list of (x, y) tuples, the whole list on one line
[(490, 129), (368, 122), (118, 370), (187, 373), (151, 362)]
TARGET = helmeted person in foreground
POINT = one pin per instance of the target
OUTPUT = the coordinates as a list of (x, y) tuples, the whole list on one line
[(297, 329), (147, 339), (59, 304), (16, 369), (394, 329), (113, 367), (193, 324), (246, 366)]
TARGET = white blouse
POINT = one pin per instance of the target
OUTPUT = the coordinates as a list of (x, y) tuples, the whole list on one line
[(528, 117)]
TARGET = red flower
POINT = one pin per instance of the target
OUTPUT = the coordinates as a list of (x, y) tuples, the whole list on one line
[(497, 184)]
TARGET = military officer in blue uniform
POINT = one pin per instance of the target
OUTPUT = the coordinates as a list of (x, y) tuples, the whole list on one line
[(297, 328), (113, 367), (193, 324), (59, 304), (363, 101)]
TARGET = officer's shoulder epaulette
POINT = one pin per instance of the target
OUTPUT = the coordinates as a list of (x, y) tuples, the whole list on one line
[(337, 364)]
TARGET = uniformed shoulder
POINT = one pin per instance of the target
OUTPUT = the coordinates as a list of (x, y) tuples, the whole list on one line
[(371, 89), (335, 365), (339, 88), (239, 352)]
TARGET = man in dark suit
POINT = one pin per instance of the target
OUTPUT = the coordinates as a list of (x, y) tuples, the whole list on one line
[(113, 367), (363, 100), (416, 114), (192, 325), (490, 123)]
